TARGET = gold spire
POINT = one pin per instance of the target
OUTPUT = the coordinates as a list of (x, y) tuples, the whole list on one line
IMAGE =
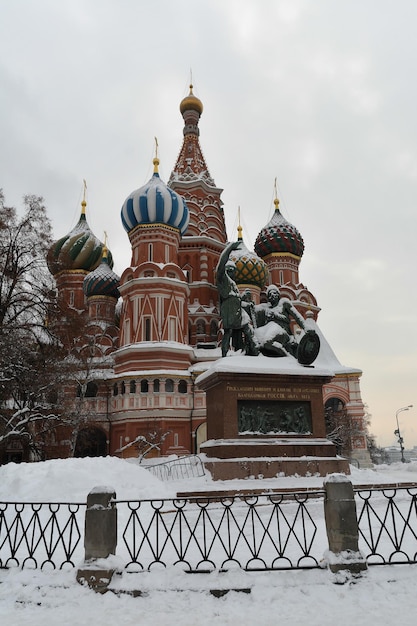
[(276, 201), (156, 160), (239, 227), (105, 251), (84, 203)]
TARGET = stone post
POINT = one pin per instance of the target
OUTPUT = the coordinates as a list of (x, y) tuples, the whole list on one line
[(342, 526), (100, 538)]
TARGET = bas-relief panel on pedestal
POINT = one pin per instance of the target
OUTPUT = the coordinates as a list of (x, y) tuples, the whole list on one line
[(274, 417)]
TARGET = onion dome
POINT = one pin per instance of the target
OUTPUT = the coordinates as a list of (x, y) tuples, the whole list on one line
[(250, 269), (155, 203), (279, 236), (79, 250), (191, 103), (102, 281)]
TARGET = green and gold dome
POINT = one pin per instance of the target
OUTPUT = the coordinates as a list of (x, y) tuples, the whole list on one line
[(250, 269), (79, 250)]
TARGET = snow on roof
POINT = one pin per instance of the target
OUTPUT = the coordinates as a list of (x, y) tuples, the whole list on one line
[(152, 372), (326, 357), (152, 346)]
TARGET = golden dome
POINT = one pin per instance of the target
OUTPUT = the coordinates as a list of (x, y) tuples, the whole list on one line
[(191, 102)]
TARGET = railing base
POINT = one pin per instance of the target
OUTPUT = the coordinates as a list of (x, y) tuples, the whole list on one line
[(96, 579)]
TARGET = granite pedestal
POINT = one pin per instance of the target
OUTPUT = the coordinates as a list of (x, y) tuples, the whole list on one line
[(265, 418)]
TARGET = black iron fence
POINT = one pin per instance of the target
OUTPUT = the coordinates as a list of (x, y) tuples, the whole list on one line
[(258, 532), (40, 535), (387, 520), (251, 532)]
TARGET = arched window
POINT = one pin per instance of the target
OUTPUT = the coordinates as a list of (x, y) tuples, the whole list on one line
[(144, 386), (338, 425), (213, 329), (122, 388), (133, 386), (126, 329), (91, 390), (182, 386), (201, 327), (156, 385), (334, 404), (172, 328), (52, 396), (115, 389), (90, 442), (169, 385)]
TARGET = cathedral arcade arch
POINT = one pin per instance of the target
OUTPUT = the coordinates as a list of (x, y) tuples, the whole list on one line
[(91, 441)]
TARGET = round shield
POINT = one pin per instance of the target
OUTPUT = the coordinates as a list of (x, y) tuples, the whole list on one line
[(308, 348)]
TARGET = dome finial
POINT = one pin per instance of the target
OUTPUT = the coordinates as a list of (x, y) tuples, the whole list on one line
[(156, 160), (239, 227), (276, 200), (84, 203), (105, 252)]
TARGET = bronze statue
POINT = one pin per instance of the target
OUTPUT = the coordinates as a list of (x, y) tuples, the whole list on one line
[(274, 334), (259, 328), (236, 320), (274, 325)]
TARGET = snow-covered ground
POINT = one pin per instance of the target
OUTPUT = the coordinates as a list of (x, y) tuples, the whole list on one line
[(384, 595)]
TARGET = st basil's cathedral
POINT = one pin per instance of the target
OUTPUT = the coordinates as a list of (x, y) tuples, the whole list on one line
[(144, 337)]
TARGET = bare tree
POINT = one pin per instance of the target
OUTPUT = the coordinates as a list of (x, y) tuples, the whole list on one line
[(49, 353), (25, 282), (339, 429), (151, 441), (29, 355), (31, 376)]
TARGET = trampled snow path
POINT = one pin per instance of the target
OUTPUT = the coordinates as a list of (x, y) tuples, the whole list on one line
[(383, 596)]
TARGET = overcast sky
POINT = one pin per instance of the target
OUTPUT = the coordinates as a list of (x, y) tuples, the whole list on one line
[(318, 93)]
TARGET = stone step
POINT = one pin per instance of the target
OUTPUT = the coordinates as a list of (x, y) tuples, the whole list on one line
[(271, 467)]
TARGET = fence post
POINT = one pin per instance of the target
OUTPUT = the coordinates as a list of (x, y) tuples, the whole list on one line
[(100, 538), (342, 526)]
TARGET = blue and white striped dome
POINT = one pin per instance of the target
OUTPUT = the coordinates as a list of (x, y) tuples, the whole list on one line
[(155, 203)]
